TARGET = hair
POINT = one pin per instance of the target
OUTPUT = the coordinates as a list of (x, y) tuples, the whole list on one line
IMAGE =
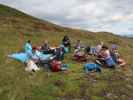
[(87, 49), (66, 37), (29, 41), (46, 41), (105, 47)]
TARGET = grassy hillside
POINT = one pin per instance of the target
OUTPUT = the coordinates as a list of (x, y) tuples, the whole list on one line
[(16, 84)]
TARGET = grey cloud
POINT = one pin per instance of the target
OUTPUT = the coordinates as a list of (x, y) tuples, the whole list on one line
[(87, 14)]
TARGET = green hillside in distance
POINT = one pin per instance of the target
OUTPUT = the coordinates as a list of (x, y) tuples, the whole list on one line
[(15, 84)]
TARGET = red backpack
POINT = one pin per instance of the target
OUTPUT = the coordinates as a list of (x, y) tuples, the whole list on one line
[(56, 66)]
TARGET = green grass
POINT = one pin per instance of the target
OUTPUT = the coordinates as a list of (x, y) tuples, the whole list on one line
[(16, 84)]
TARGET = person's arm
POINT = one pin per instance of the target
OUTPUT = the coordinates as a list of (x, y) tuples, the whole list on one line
[(106, 54), (100, 56)]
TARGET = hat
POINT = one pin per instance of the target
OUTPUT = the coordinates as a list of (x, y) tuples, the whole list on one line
[(114, 46)]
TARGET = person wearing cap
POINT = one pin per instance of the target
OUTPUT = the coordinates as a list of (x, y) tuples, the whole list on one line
[(116, 56), (114, 53)]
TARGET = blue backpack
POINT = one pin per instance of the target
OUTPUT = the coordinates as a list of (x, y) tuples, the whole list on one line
[(92, 67)]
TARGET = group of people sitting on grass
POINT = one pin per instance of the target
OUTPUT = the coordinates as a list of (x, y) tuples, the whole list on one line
[(52, 57), (104, 56), (43, 56)]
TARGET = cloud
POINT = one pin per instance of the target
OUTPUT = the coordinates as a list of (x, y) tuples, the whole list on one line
[(95, 15)]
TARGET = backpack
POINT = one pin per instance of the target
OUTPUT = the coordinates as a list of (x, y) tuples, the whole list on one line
[(56, 66), (92, 67)]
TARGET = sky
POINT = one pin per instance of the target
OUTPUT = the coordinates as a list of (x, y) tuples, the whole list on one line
[(94, 15)]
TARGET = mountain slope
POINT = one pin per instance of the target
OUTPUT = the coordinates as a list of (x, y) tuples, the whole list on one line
[(15, 18), (7, 11), (18, 20), (16, 84)]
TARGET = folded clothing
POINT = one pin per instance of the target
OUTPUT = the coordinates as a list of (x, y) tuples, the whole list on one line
[(31, 66)]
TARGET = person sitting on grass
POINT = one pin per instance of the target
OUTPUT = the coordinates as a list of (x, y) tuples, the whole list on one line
[(105, 58), (114, 53), (36, 54), (28, 48), (94, 50), (45, 47), (78, 45), (80, 55), (59, 52), (66, 42), (116, 56)]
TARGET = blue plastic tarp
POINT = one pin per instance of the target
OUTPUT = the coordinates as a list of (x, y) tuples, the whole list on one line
[(22, 57), (41, 56)]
